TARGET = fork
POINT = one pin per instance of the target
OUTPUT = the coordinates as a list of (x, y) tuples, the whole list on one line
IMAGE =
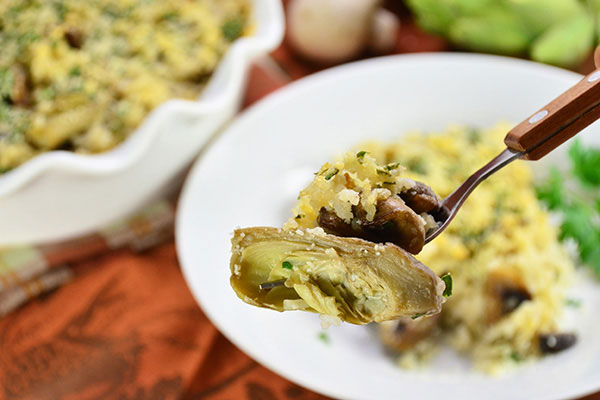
[(532, 139)]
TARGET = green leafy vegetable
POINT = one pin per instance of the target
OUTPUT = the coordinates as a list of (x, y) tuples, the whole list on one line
[(579, 207), (417, 165), (75, 71), (323, 337), (360, 155), (586, 163), (447, 278), (233, 28), (552, 191), (516, 357), (6, 82), (286, 265), (332, 174), (391, 166), (571, 302)]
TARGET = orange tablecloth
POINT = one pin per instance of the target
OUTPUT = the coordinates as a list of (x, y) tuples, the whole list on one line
[(127, 327)]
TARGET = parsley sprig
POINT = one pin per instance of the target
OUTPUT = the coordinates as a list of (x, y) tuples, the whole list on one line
[(579, 206)]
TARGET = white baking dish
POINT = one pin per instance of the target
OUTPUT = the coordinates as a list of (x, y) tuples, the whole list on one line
[(59, 194)]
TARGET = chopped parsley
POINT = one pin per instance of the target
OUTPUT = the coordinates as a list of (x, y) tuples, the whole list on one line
[(516, 357), (419, 315), (48, 93), (474, 136), (75, 71), (233, 28), (417, 165), (586, 164), (381, 171), (287, 265), (447, 278), (361, 156), (61, 10), (324, 337), (391, 166), (574, 303), (6, 82), (299, 216), (332, 174)]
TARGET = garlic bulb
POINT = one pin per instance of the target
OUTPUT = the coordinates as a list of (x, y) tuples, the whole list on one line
[(330, 31), (384, 31)]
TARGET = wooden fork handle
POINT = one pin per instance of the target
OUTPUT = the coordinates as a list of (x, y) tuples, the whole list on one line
[(558, 121)]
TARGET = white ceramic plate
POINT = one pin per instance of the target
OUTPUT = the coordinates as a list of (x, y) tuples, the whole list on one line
[(252, 174), (59, 194)]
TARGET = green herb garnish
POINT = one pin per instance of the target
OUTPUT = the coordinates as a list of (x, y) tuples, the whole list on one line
[(383, 172), (574, 303), (417, 165), (516, 357), (169, 16), (332, 174), (391, 166), (323, 337), (6, 83), (474, 136), (586, 164), (578, 207), (417, 316), (287, 265), (447, 278), (299, 216), (75, 71), (61, 10), (232, 29), (361, 156)]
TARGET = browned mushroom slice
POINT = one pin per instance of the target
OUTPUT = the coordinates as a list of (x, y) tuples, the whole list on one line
[(421, 198), (348, 278), (394, 222), (74, 37), (397, 223), (505, 292), (404, 333), (20, 89), (556, 342)]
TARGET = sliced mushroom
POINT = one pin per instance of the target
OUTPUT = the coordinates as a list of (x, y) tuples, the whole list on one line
[(505, 292), (404, 333), (331, 223), (421, 198), (394, 222), (556, 342), (74, 37), (397, 223), (348, 278)]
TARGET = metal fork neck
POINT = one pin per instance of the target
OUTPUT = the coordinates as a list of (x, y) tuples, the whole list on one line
[(455, 200)]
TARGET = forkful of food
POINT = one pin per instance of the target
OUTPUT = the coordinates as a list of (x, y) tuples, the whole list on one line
[(347, 253)]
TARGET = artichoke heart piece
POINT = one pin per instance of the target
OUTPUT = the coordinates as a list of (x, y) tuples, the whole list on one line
[(352, 279)]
